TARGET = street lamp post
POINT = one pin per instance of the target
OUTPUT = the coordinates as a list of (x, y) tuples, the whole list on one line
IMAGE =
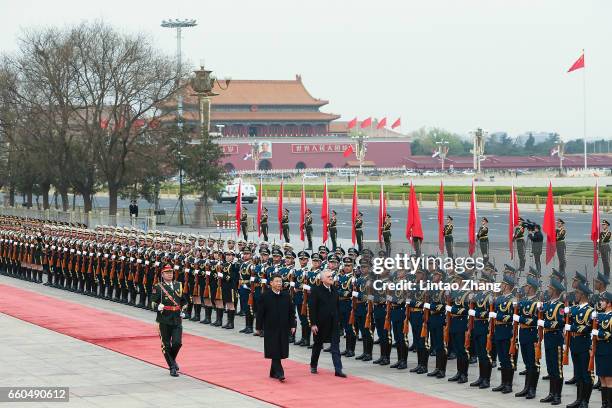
[(203, 84), (360, 147), (479, 137), (442, 151), (561, 153)]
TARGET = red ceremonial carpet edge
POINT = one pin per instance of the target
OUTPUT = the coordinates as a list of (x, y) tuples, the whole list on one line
[(225, 365)]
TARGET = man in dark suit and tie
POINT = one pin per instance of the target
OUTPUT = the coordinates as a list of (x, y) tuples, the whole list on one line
[(276, 317), (324, 319)]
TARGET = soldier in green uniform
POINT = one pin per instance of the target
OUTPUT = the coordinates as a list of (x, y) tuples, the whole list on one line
[(244, 217), (448, 237), (483, 238), (560, 233), (308, 228), (386, 233), (519, 239), (169, 301), (285, 224), (263, 223), (359, 231), (333, 230), (604, 246)]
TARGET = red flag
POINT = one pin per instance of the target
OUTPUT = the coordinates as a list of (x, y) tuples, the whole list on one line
[(513, 221), (398, 122), (352, 123), (104, 123), (280, 211), (382, 123), (354, 212), (382, 212), (238, 208), (138, 123), (595, 224), (472, 222), (325, 212), (548, 226), (348, 151), (441, 219), (366, 123), (414, 228), (259, 208), (302, 212), (578, 64)]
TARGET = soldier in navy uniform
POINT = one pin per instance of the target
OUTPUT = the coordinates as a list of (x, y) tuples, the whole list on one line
[(169, 301), (359, 231), (448, 237), (246, 271), (459, 311), (528, 336), (332, 227), (300, 278), (344, 286), (417, 301), (580, 329), (503, 333), (379, 299), (483, 238), (308, 228), (519, 240), (229, 287), (261, 278), (398, 315), (263, 223), (437, 320), (361, 290), (604, 246), (552, 322), (603, 353), (479, 311), (560, 237)]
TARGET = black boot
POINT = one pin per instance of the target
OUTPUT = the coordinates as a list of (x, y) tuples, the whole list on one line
[(419, 359), (557, 394), (301, 342), (399, 357), (486, 376), (535, 376), (188, 311), (368, 347), (346, 345), (306, 336), (551, 392), (604, 397), (464, 372), (382, 353), (196, 314), (523, 392), (502, 385), (207, 315), (352, 343), (403, 355), (457, 376), (480, 375), (219, 318), (597, 385), (442, 365), (509, 377), (578, 400), (386, 350), (230, 319), (424, 362), (587, 389)]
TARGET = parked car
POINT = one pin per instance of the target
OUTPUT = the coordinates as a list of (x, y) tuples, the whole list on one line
[(411, 173), (309, 176), (230, 193), (431, 173)]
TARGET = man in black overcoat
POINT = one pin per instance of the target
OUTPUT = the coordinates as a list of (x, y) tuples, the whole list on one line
[(276, 317), (325, 323)]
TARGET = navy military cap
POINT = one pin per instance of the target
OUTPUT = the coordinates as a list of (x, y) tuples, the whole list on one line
[(364, 262), (509, 268), (382, 252), (264, 251), (603, 279), (290, 254), (533, 282), (560, 220), (229, 252), (582, 287), (580, 277), (347, 260), (558, 274), (276, 252), (605, 222), (509, 280), (533, 271), (263, 244), (487, 277), (303, 255), (440, 272), (246, 250), (464, 275), (323, 248), (557, 284), (607, 296), (367, 251), (340, 250), (315, 257), (353, 251), (333, 258)]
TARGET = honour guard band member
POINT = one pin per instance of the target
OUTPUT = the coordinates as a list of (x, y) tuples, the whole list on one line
[(602, 342), (386, 233), (169, 301), (502, 315), (604, 246), (285, 224), (244, 218), (263, 223), (560, 237), (483, 238), (448, 237), (308, 228), (528, 336), (359, 231), (579, 327), (519, 240)]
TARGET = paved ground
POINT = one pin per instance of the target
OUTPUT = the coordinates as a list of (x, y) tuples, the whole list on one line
[(97, 377)]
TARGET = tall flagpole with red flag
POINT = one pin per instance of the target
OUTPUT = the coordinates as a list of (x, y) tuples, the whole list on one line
[(579, 64), (325, 211), (238, 208), (441, 219), (382, 212), (472, 222), (548, 225), (259, 207), (302, 211), (595, 223), (279, 212), (354, 212)]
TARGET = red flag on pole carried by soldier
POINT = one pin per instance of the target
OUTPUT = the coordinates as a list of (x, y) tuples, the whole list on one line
[(382, 212), (238, 208), (354, 212), (280, 211), (595, 224), (325, 211), (302, 211), (259, 208)]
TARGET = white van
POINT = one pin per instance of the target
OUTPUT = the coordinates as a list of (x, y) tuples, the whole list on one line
[(230, 192)]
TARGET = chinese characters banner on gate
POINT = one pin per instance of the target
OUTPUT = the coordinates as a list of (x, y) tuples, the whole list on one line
[(319, 148)]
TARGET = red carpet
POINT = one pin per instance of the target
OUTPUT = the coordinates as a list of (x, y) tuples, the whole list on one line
[(225, 365)]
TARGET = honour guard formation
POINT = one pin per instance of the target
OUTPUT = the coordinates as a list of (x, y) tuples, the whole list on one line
[(209, 281)]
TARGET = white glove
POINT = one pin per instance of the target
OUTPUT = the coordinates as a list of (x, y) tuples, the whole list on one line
[(160, 307), (176, 267), (355, 294), (594, 314), (594, 333), (182, 315), (539, 305), (566, 310), (567, 327), (472, 312), (207, 273), (541, 323), (292, 284), (306, 287), (252, 279), (427, 306), (264, 281), (448, 308), (516, 318), (492, 315)]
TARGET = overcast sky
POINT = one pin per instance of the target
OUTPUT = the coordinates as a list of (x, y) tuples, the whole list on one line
[(456, 64)]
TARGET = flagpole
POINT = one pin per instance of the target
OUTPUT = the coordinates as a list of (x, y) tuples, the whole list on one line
[(584, 130)]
